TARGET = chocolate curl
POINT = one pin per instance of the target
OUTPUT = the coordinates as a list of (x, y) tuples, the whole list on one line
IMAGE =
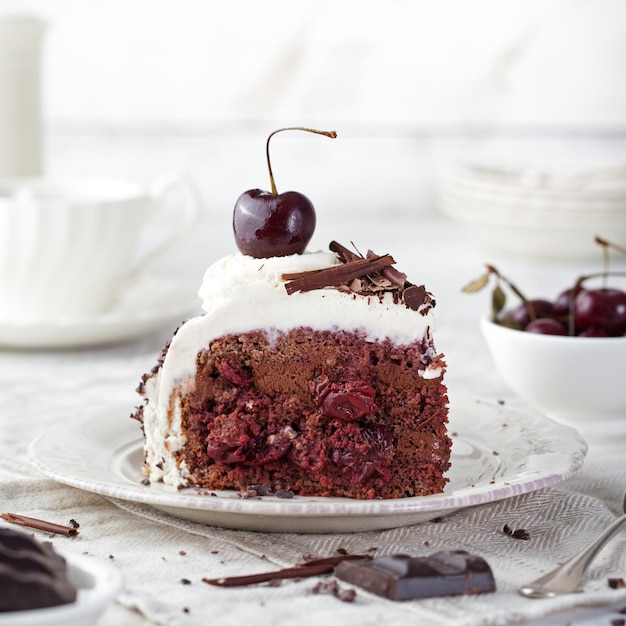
[(335, 275), (396, 277), (38, 524), (316, 567)]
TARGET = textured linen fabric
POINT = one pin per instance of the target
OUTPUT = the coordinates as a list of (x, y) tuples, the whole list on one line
[(163, 559)]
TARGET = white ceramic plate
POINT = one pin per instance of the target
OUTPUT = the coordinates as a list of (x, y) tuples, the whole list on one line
[(497, 453), (151, 304), (98, 583)]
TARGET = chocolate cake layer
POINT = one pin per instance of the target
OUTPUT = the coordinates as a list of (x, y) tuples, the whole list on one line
[(317, 412)]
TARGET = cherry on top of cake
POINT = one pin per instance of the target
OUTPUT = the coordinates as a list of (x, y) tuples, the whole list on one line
[(268, 224)]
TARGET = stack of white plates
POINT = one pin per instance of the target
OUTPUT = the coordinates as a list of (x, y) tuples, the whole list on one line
[(538, 213)]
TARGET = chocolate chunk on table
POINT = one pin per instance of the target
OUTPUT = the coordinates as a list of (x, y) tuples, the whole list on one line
[(402, 577)]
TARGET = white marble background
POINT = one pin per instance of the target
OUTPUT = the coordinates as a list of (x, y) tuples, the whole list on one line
[(408, 84)]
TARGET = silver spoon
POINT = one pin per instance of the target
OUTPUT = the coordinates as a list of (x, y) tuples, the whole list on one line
[(567, 577)]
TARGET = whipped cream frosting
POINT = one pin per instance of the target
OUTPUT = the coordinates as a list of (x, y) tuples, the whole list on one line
[(240, 294)]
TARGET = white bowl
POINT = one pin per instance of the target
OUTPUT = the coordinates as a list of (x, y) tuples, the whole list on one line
[(575, 380), (98, 584)]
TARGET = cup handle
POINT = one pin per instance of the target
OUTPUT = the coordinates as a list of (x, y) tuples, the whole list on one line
[(191, 205)]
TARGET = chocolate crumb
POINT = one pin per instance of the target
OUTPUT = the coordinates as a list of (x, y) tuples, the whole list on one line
[(215, 551), (284, 493), (182, 553), (74, 523), (618, 621), (248, 495), (347, 595), (111, 557), (261, 490), (145, 482), (185, 609), (341, 551), (437, 520), (332, 587), (622, 611), (185, 581), (518, 533), (522, 534), (616, 583)]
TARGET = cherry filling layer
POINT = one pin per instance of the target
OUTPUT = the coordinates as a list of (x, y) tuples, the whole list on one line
[(338, 429)]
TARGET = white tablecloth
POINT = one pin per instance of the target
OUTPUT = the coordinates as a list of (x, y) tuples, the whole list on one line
[(155, 552)]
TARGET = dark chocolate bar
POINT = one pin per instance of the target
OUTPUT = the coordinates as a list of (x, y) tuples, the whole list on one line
[(402, 577)]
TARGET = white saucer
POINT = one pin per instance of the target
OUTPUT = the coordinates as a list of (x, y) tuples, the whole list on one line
[(153, 303)]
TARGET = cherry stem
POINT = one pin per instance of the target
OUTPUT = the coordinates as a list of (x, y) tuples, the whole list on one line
[(492, 270), (606, 246), (327, 133)]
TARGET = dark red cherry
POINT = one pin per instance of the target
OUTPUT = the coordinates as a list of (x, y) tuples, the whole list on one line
[(267, 224), (523, 313), (593, 332), (546, 326), (603, 308), (562, 305)]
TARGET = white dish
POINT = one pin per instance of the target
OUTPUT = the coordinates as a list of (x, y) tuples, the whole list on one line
[(153, 303), (497, 453), (576, 380), (98, 584)]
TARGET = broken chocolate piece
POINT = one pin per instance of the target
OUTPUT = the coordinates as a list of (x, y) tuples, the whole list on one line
[(402, 577), (32, 575), (335, 275)]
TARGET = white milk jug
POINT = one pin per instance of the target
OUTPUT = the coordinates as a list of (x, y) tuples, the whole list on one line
[(21, 38)]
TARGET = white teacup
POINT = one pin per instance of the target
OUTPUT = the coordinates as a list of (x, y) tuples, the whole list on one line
[(68, 247)]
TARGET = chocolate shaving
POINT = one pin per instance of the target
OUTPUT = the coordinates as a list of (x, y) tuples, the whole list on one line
[(396, 277), (38, 524), (415, 296), (316, 567), (371, 275), (335, 275)]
